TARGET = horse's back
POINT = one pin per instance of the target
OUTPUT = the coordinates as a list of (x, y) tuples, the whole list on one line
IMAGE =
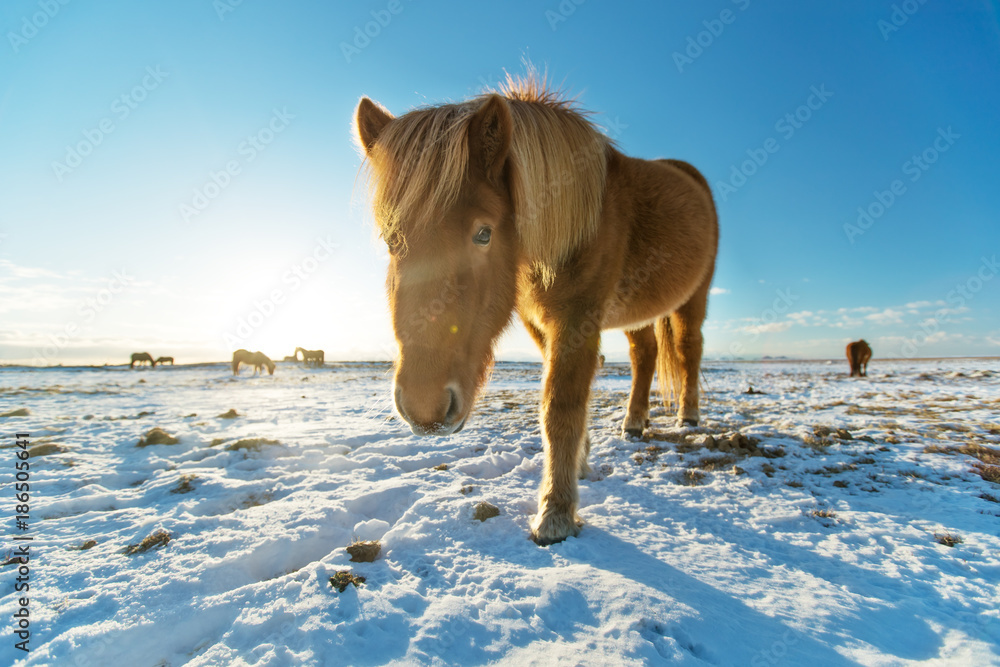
[(679, 191), (664, 213)]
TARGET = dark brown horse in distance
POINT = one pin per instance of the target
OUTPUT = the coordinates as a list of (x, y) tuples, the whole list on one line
[(515, 202), (858, 355), (142, 358), (163, 360)]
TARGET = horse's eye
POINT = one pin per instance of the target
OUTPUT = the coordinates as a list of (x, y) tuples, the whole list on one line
[(482, 237), (394, 241)]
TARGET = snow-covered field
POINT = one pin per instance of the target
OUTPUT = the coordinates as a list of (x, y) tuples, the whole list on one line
[(814, 542)]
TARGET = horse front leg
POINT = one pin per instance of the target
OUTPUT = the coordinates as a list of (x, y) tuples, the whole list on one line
[(570, 364)]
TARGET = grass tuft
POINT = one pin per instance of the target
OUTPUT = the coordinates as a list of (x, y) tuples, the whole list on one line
[(947, 539), (344, 578), (250, 444), (364, 551), (157, 436), (485, 510), (184, 484), (691, 477), (45, 448), (155, 540), (987, 472)]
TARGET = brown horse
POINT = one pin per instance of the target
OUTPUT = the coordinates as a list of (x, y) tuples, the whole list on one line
[(311, 357), (163, 360), (142, 358), (256, 359), (514, 201), (858, 355)]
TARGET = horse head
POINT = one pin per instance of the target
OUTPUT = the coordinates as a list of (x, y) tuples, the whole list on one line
[(443, 206)]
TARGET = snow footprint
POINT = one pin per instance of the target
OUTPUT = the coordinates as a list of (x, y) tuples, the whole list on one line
[(490, 466), (386, 505), (667, 639)]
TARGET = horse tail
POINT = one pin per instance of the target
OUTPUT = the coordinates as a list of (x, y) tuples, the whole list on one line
[(668, 362)]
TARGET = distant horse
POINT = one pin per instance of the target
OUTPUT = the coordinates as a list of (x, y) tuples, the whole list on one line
[(514, 202), (311, 357), (256, 359), (163, 360), (142, 358), (858, 355)]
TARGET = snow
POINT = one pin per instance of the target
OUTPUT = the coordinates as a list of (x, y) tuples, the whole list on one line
[(689, 554)]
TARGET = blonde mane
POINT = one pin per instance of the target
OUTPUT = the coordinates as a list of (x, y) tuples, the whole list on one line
[(558, 170)]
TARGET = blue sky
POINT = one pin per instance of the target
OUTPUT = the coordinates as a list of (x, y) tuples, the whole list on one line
[(180, 177)]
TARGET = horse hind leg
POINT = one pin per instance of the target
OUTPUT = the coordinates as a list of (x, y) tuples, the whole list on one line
[(642, 352), (680, 345)]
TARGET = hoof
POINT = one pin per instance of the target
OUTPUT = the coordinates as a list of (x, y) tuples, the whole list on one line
[(689, 422), (544, 542), (634, 427), (553, 528)]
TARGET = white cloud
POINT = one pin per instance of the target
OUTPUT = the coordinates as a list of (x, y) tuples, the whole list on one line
[(887, 316), (719, 290), (917, 305), (16, 271), (770, 327)]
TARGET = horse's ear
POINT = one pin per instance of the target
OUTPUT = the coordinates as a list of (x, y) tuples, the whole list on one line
[(369, 121), (489, 135)]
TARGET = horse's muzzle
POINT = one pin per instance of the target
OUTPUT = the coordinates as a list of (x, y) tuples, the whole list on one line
[(429, 416)]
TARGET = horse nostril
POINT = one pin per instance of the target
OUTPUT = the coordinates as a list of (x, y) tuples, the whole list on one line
[(398, 396), (454, 407)]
